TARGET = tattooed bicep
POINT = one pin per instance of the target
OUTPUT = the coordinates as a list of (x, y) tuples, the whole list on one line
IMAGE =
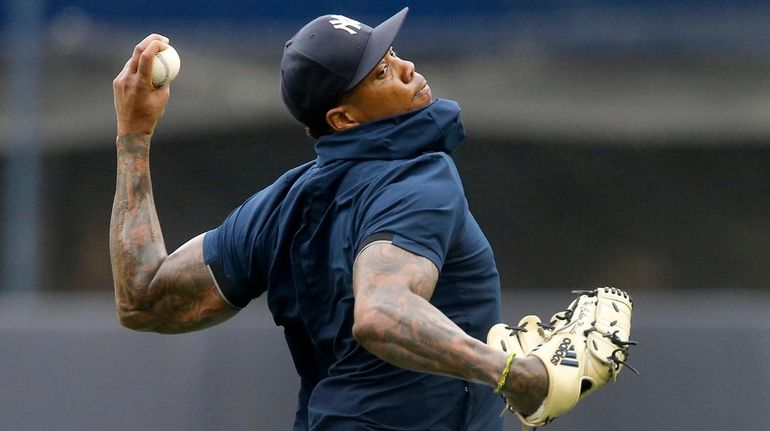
[(383, 265)]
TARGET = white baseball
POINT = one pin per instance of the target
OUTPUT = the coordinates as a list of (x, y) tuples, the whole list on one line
[(165, 66)]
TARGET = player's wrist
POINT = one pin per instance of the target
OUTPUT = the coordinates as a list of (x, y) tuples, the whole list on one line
[(505, 372), (136, 128), (527, 384), (133, 143)]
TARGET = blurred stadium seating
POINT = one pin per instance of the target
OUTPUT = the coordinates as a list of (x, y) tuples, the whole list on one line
[(607, 138)]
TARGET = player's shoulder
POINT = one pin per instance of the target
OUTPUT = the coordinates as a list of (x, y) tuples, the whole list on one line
[(429, 177), (292, 175), (433, 169), (438, 166), (260, 205)]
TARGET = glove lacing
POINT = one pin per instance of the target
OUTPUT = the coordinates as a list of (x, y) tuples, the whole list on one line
[(623, 346)]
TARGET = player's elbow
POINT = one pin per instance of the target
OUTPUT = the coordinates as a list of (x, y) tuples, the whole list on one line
[(126, 320), (131, 319), (363, 331), (367, 323), (137, 319), (137, 308)]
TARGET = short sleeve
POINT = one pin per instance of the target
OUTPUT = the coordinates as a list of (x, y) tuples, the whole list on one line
[(227, 251), (420, 205), (238, 251)]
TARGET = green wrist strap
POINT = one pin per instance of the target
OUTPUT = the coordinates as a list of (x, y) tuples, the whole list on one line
[(506, 370)]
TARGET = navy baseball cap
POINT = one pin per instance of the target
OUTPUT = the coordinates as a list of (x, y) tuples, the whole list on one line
[(329, 56)]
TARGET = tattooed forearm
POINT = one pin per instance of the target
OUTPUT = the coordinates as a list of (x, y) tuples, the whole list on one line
[(136, 241), (394, 320), (154, 291)]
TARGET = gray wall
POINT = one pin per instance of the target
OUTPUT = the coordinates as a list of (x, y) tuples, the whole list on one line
[(65, 364)]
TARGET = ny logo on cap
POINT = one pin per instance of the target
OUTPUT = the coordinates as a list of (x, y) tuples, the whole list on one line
[(344, 23)]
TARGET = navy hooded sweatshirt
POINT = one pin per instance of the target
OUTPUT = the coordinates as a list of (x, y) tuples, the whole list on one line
[(297, 240)]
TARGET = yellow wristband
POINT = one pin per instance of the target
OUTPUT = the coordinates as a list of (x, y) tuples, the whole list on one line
[(506, 370)]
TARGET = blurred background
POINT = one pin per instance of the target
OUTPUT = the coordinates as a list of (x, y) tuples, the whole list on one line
[(609, 142)]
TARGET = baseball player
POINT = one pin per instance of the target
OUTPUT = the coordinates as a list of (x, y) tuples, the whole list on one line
[(369, 257)]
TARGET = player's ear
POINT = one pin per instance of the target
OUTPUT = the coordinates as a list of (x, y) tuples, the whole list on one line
[(340, 118)]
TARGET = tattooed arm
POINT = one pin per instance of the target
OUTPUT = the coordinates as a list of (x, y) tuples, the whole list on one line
[(153, 291), (394, 320)]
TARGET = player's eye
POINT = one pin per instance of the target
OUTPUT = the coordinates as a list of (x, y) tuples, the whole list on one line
[(383, 70), (392, 53)]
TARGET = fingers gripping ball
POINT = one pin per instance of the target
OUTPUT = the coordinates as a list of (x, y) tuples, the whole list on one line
[(165, 66)]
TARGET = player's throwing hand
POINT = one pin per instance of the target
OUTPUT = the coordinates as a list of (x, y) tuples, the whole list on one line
[(138, 104)]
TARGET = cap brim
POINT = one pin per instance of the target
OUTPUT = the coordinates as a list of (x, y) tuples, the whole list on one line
[(379, 43)]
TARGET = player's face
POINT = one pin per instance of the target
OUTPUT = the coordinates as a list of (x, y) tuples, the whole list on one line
[(392, 88)]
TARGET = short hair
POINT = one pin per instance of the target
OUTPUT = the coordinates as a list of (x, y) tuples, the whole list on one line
[(322, 128), (318, 130)]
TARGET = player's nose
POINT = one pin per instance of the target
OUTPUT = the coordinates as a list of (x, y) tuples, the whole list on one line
[(407, 70)]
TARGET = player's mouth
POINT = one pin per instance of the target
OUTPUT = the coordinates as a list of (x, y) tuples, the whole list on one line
[(424, 91)]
